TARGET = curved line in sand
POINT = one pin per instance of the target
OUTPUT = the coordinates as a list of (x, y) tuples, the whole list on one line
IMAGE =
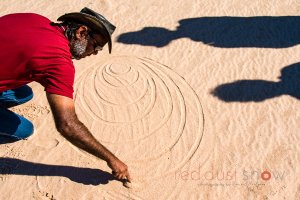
[(164, 74), (198, 139)]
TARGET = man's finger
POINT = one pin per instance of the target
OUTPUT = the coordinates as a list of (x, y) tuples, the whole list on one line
[(120, 176), (116, 175), (123, 176), (128, 177)]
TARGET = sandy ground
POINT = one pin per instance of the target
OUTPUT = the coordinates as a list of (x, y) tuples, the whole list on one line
[(200, 98)]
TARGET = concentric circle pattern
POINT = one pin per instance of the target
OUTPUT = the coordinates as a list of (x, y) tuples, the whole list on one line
[(143, 112)]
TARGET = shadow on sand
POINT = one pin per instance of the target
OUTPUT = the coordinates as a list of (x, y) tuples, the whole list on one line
[(260, 90), (224, 32), (85, 176), (7, 140)]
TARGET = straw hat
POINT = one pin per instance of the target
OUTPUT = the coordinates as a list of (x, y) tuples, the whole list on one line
[(93, 20)]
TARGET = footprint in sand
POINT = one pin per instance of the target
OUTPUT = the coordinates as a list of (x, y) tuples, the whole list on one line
[(31, 111), (143, 111)]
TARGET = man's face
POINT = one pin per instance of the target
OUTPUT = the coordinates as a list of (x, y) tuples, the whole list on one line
[(86, 43)]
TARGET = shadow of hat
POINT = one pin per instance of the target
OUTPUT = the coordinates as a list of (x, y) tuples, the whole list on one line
[(93, 20)]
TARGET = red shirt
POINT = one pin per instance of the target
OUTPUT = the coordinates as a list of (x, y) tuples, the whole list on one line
[(33, 50)]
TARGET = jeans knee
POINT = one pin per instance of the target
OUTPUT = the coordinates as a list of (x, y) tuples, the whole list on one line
[(16, 96), (26, 131), (24, 94)]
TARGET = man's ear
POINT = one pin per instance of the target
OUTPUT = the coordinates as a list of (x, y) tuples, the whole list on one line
[(81, 32)]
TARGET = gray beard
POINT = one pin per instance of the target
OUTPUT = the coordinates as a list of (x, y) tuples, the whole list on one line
[(78, 48)]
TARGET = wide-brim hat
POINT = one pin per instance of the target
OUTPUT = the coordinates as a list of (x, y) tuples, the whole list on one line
[(94, 21)]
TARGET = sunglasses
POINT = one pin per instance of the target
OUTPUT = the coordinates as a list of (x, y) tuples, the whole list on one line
[(96, 46)]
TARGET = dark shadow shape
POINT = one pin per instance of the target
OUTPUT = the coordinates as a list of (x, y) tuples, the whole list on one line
[(260, 90), (224, 32), (85, 176)]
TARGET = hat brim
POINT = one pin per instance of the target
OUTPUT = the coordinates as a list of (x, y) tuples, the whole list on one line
[(91, 22)]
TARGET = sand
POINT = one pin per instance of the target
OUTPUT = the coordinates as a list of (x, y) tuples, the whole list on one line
[(199, 98)]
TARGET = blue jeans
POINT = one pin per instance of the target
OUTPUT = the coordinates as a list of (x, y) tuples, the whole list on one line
[(13, 125)]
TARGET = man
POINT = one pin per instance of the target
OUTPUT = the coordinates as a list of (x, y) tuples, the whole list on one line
[(35, 49)]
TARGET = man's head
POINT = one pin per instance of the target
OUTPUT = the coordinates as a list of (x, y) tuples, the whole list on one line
[(87, 32)]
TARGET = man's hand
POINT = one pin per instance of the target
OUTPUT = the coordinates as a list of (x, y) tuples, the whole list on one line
[(119, 169), (76, 132)]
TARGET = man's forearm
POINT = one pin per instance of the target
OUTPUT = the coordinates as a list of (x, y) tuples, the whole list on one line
[(68, 124), (77, 133)]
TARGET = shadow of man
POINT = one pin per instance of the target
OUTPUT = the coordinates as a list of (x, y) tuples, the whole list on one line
[(223, 32), (85, 176), (260, 90)]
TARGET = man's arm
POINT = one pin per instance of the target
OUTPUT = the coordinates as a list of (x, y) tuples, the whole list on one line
[(73, 130)]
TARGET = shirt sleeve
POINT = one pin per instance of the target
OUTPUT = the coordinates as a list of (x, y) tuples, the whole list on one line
[(56, 75), (60, 80)]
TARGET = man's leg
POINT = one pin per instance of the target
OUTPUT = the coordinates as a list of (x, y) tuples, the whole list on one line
[(12, 124)]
